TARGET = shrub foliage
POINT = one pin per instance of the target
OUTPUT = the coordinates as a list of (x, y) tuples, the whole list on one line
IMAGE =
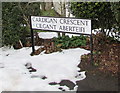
[(67, 42)]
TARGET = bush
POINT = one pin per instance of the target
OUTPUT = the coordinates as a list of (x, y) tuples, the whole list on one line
[(15, 21), (66, 42), (99, 12)]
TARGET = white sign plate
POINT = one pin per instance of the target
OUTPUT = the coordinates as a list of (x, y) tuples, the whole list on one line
[(68, 25)]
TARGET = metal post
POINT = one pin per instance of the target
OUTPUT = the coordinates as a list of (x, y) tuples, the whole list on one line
[(91, 47), (32, 37)]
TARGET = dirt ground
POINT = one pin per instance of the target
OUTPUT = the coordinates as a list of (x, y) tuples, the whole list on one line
[(103, 74)]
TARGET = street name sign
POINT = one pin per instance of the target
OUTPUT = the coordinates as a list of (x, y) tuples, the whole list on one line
[(67, 25)]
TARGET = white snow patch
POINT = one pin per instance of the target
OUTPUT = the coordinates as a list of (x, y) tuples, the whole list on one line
[(50, 35), (14, 76), (47, 35), (111, 33)]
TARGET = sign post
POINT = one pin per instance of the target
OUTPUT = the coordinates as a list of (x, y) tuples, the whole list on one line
[(32, 37), (91, 48), (66, 25)]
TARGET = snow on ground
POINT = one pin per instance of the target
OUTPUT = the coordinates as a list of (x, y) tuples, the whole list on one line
[(14, 76), (49, 35)]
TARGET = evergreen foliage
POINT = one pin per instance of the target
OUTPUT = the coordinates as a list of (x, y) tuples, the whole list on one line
[(99, 12), (115, 6), (66, 42), (15, 22)]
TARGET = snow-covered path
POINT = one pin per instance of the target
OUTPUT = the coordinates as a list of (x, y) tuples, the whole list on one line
[(55, 66)]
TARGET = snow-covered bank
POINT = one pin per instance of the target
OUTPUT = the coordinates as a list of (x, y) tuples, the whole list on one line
[(56, 66), (49, 35)]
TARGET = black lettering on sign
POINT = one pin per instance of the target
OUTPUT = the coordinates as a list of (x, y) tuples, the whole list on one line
[(46, 26), (73, 22), (44, 20), (72, 29)]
